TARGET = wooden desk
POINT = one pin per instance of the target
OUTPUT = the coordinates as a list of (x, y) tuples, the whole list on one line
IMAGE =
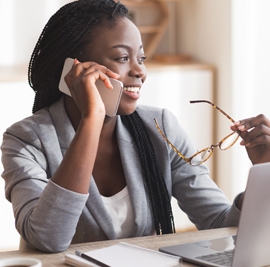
[(150, 242)]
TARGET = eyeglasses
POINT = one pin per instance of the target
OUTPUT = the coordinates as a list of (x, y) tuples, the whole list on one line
[(205, 154)]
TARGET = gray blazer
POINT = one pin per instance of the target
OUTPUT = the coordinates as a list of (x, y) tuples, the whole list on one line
[(50, 217)]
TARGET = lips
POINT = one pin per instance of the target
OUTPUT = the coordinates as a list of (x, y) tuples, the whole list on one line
[(132, 91)]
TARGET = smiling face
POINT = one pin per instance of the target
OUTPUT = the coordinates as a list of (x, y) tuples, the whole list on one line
[(120, 49)]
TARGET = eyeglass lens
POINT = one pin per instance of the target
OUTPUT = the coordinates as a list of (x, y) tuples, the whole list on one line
[(201, 156), (204, 154), (228, 141)]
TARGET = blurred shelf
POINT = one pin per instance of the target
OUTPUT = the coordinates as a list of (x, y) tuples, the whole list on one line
[(19, 73), (137, 3), (148, 29), (144, 2), (188, 65), (156, 30)]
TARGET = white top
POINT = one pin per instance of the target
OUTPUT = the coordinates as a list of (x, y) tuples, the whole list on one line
[(120, 209)]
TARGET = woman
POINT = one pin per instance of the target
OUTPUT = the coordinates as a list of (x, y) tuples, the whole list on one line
[(75, 175)]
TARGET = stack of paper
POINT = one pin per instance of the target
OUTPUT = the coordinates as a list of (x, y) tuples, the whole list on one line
[(123, 255)]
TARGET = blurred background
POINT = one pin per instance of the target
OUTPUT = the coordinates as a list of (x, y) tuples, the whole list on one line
[(216, 50)]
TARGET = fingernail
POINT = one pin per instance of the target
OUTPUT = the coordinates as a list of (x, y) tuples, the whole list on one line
[(237, 122), (242, 127), (248, 144)]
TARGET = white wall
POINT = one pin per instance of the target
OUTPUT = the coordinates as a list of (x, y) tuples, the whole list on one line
[(251, 68), (233, 36), (21, 23), (15, 104), (205, 32), (172, 88)]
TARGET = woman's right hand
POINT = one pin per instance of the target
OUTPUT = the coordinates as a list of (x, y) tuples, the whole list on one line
[(81, 80), (74, 172)]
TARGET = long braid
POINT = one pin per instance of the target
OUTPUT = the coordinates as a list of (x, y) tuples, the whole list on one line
[(65, 35), (155, 184)]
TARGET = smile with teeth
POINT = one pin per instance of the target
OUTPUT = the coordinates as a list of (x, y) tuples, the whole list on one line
[(132, 89)]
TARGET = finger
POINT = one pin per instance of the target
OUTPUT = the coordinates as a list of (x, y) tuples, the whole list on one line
[(98, 74), (68, 77), (260, 140), (77, 69), (241, 134), (234, 128), (105, 70), (76, 61), (106, 81), (86, 68), (91, 69), (249, 123), (259, 130)]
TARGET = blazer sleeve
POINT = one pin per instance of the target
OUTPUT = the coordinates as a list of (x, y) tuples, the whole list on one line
[(197, 194), (46, 215)]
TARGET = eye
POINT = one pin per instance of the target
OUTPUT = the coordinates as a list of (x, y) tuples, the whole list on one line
[(141, 59), (125, 58)]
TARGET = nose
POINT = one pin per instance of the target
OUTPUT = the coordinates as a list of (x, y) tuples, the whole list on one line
[(137, 70)]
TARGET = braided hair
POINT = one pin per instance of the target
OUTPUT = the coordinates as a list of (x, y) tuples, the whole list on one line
[(155, 184), (67, 31), (65, 34)]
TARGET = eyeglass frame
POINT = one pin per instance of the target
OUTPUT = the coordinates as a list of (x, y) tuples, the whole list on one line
[(212, 146)]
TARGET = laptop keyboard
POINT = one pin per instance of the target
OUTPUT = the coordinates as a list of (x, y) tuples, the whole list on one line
[(223, 258)]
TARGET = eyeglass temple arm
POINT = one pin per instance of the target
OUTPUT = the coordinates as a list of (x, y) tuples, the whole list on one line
[(186, 159), (219, 109)]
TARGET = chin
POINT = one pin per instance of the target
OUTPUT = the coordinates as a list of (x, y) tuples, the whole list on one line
[(126, 110)]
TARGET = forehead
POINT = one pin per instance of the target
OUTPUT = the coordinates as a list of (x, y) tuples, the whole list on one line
[(124, 32)]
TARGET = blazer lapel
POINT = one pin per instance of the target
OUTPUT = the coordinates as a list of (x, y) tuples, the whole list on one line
[(133, 174), (98, 211), (94, 203), (132, 169)]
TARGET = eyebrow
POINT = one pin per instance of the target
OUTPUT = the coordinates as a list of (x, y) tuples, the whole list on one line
[(123, 46)]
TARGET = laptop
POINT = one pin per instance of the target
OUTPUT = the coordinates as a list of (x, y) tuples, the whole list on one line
[(251, 246)]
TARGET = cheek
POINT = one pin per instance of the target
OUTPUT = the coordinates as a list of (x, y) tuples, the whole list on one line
[(145, 75), (117, 68), (123, 74)]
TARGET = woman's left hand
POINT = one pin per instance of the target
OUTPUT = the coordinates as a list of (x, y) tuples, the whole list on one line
[(255, 133)]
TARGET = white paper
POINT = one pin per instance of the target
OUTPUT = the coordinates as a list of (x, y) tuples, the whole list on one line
[(77, 261), (123, 255)]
